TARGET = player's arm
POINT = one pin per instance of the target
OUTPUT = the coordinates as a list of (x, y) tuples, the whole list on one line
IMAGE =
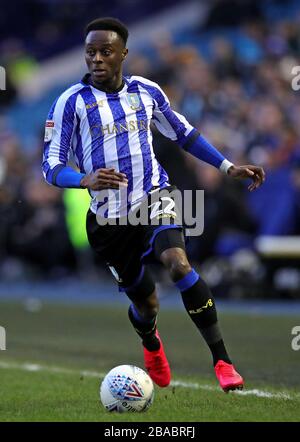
[(256, 173), (177, 128), (59, 131), (198, 146)]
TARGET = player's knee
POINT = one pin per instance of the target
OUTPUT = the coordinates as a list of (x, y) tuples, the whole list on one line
[(179, 269), (177, 264)]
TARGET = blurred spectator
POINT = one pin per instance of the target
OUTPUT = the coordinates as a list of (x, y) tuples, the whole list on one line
[(33, 227), (39, 236), (233, 12), (223, 232), (18, 63)]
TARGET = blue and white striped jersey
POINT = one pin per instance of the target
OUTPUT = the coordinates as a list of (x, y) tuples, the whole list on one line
[(103, 130)]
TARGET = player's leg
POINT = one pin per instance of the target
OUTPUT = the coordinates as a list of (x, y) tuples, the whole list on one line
[(142, 313), (120, 248), (198, 301), (143, 309)]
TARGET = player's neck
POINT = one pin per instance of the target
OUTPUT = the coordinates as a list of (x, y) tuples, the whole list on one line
[(112, 85)]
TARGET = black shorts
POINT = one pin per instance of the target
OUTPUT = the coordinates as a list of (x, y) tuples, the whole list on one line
[(127, 248)]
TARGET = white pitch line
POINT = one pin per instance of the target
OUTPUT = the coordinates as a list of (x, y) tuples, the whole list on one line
[(37, 367), (255, 392)]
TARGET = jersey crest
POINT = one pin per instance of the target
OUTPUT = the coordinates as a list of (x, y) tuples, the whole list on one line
[(134, 101)]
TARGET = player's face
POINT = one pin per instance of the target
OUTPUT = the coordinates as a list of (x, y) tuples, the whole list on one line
[(104, 54)]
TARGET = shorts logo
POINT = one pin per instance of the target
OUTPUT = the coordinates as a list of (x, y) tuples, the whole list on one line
[(134, 101), (166, 212), (115, 274), (159, 207)]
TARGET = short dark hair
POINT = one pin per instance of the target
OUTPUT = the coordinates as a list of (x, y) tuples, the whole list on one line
[(108, 24)]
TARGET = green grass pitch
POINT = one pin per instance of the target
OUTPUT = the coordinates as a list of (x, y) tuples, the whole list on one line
[(52, 368)]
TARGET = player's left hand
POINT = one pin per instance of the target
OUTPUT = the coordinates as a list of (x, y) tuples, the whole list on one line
[(255, 173)]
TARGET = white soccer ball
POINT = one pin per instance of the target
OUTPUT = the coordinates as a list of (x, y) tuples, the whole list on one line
[(127, 388)]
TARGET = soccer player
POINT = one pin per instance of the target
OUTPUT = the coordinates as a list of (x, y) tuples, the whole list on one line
[(103, 121)]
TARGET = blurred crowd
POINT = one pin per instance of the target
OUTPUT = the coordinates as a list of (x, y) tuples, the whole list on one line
[(235, 85), (47, 27)]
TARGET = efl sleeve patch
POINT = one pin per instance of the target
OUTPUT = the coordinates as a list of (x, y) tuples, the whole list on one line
[(49, 126)]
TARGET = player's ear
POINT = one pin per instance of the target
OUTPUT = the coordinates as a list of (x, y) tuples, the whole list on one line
[(124, 53)]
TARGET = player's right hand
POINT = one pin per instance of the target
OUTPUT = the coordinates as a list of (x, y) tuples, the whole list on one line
[(104, 179)]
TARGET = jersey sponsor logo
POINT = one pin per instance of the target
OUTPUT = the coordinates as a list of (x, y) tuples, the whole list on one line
[(117, 128), (99, 103), (134, 101), (49, 126)]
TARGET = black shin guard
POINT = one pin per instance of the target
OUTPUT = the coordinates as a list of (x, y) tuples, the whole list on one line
[(200, 305)]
